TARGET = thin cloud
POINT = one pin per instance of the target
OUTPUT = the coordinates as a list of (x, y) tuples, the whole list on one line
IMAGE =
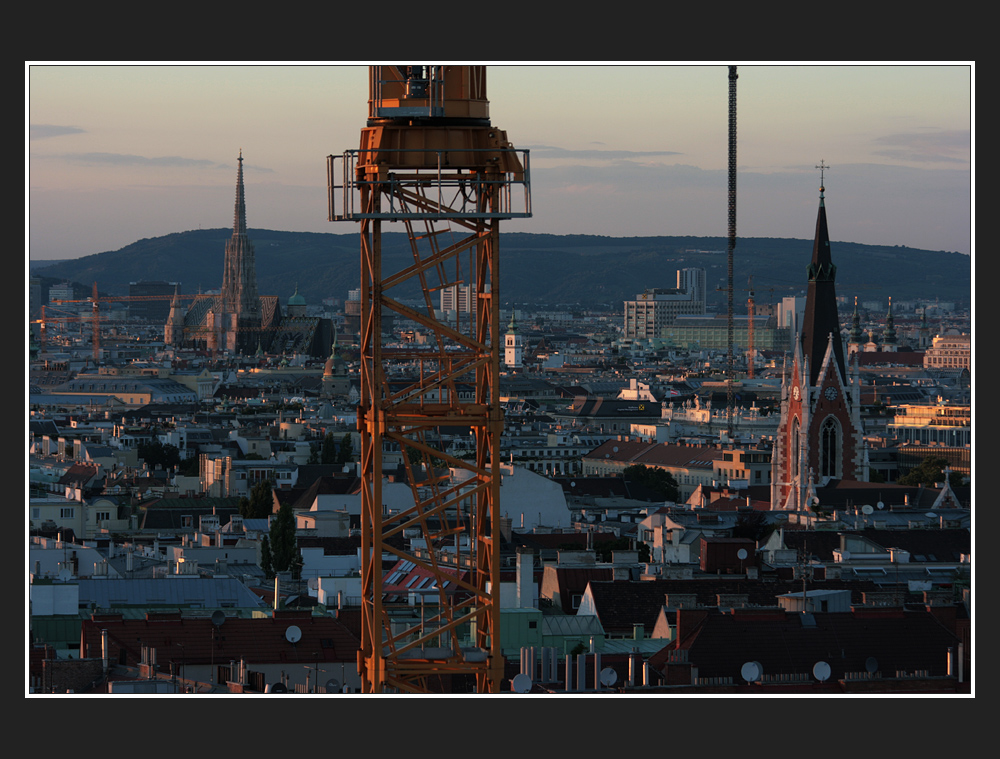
[(124, 159), (549, 151), (926, 147), (47, 131)]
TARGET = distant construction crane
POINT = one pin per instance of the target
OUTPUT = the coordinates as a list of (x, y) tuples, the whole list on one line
[(95, 318), (731, 245), (430, 159)]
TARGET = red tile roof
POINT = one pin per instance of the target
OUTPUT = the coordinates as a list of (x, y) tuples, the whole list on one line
[(196, 640), (787, 643)]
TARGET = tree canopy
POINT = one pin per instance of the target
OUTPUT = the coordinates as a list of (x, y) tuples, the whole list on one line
[(930, 472), (659, 481), (284, 548), (260, 503)]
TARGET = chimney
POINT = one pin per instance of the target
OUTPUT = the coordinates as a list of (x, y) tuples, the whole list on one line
[(525, 574)]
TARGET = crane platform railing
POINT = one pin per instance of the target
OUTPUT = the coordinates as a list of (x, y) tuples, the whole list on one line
[(457, 189)]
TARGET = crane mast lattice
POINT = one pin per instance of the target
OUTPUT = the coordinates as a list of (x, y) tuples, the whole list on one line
[(430, 159)]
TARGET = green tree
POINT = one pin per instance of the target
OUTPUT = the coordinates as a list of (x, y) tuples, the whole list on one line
[(261, 501), (929, 472), (284, 546), (266, 561), (190, 467), (752, 524), (156, 454), (345, 451), (328, 452), (659, 481)]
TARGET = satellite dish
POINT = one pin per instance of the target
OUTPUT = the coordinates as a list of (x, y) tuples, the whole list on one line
[(572, 483), (751, 671), (293, 634), (218, 617), (741, 554), (521, 683), (333, 685), (880, 505), (608, 676), (277, 688), (845, 555), (867, 509), (871, 665), (932, 515), (821, 671)]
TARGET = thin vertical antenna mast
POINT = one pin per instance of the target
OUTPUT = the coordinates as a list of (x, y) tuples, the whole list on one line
[(731, 245)]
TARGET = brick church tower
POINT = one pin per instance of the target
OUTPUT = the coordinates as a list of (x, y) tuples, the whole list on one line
[(820, 436)]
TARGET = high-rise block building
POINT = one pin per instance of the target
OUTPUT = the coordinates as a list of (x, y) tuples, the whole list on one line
[(652, 310)]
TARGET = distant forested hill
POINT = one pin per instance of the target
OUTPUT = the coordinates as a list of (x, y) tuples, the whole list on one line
[(553, 269)]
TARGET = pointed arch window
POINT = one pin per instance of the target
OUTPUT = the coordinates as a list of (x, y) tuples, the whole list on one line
[(830, 447), (793, 469)]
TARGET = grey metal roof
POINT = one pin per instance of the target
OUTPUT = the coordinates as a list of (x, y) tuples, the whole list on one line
[(178, 590)]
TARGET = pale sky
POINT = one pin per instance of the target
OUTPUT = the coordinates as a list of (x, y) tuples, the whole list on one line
[(116, 153)]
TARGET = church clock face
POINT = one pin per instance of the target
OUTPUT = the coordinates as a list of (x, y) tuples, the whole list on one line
[(831, 393), (795, 392)]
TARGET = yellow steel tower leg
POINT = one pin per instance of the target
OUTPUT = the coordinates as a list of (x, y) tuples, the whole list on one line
[(430, 159)]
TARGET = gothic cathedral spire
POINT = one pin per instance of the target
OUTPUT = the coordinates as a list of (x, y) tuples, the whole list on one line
[(240, 300)]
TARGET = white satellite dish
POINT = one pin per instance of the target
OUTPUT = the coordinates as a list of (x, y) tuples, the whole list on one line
[(333, 685), (821, 671), (521, 683), (608, 677), (741, 554), (751, 671), (293, 634), (931, 515), (867, 509)]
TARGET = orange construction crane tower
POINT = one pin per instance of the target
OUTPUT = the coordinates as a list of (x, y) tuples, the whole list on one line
[(430, 158)]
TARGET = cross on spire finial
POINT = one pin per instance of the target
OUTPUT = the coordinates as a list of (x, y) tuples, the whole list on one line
[(822, 169)]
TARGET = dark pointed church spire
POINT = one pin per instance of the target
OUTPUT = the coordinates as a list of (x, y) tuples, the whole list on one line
[(239, 278), (889, 334), (856, 334), (240, 214), (821, 319)]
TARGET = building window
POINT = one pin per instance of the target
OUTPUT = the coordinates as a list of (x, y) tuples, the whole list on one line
[(829, 448), (67, 512)]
